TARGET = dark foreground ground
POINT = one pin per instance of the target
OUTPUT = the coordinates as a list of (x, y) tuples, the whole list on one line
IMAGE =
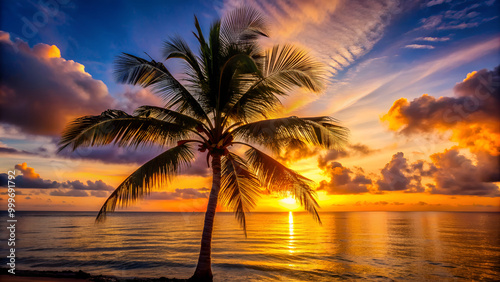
[(71, 276)]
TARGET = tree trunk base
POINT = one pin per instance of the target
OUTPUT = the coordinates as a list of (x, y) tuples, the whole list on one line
[(205, 276)]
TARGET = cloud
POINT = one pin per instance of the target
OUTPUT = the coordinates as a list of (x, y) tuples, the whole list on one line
[(433, 39), (338, 32), (450, 173), (471, 118), (131, 99), (54, 91), (48, 90), (457, 175), (419, 46), (27, 172), (436, 2), (69, 193), (31, 179), (296, 150), (469, 17), (342, 180), (114, 154), (9, 150), (351, 150), (98, 185), (179, 194), (99, 194), (397, 175), (472, 115), (431, 22)]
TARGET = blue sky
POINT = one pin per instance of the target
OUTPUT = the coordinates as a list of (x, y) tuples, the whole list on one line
[(94, 34)]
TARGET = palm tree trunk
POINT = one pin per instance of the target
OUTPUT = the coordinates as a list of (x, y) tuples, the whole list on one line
[(204, 268)]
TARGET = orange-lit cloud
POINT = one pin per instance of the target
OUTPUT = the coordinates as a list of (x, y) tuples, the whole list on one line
[(472, 116), (457, 175), (473, 121), (48, 90), (27, 172), (397, 175), (343, 180), (29, 179)]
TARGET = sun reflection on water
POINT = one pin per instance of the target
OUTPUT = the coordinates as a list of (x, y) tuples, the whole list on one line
[(291, 241)]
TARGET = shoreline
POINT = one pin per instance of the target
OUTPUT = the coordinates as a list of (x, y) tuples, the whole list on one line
[(72, 276)]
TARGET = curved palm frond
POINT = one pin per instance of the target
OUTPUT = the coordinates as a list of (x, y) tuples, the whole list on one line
[(243, 25), (153, 173), (138, 71), (239, 187), (283, 69), (177, 47), (278, 178), (167, 116), (122, 129), (319, 131), (236, 70)]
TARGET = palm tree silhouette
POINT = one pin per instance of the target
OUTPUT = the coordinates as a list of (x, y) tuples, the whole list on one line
[(230, 88)]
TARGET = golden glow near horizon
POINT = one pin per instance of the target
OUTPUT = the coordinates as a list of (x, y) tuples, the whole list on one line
[(289, 204)]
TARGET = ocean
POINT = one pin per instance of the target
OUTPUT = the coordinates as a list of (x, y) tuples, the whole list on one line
[(375, 246)]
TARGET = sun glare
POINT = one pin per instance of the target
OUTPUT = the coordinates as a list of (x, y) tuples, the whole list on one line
[(289, 204)]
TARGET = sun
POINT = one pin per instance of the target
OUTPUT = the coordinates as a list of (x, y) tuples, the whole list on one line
[(289, 203)]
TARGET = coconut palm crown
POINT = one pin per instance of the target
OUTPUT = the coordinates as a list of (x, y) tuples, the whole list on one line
[(229, 89)]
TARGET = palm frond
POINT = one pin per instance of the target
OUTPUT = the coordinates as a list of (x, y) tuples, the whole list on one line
[(155, 172), (239, 187), (243, 25), (138, 71), (235, 71), (122, 129), (278, 178), (167, 116), (320, 131), (283, 69), (177, 47)]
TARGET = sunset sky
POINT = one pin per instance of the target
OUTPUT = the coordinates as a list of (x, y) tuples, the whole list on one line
[(417, 83)]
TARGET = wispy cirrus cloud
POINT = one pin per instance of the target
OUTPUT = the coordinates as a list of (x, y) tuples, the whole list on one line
[(377, 78), (433, 39), (455, 18), (337, 32), (419, 46)]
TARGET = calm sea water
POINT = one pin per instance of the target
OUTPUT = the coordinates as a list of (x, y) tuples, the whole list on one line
[(379, 246)]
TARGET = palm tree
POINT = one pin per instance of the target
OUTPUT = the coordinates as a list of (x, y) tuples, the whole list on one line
[(230, 88)]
